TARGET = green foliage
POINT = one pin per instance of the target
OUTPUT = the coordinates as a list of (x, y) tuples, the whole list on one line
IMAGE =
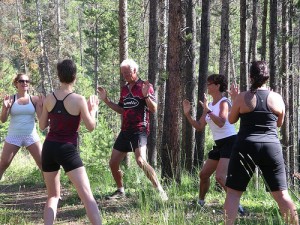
[(96, 147)]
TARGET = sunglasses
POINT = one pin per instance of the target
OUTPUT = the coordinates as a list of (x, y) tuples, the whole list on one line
[(24, 81)]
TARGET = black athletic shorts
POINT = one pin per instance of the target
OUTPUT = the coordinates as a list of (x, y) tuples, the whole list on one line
[(267, 156), (129, 141), (222, 149), (56, 154)]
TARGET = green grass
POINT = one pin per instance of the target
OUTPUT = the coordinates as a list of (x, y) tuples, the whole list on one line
[(142, 205)]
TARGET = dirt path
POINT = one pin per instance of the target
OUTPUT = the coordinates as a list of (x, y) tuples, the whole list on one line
[(27, 203)]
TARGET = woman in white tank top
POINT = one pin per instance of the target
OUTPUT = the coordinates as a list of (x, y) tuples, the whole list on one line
[(215, 114), (22, 128)]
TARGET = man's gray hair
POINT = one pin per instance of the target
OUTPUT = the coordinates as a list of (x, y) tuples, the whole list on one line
[(131, 63)]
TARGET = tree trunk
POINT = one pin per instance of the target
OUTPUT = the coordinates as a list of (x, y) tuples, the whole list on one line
[(292, 100), (264, 31), (224, 43), (171, 135), (203, 71), (123, 43), (152, 76), (58, 29), (285, 83), (44, 66), (162, 71), (25, 62), (273, 46), (243, 46), (188, 132), (253, 38)]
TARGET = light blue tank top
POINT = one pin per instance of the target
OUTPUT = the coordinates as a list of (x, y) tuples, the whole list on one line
[(22, 118)]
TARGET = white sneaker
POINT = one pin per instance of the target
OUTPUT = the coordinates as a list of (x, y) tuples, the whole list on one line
[(163, 195)]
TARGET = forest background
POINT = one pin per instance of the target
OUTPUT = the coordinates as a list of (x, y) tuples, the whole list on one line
[(177, 44)]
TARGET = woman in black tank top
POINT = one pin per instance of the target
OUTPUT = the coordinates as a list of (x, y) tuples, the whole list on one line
[(260, 111), (65, 110)]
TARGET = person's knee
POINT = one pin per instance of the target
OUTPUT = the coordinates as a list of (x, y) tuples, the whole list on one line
[(140, 162), (4, 165), (113, 165), (221, 178), (203, 175)]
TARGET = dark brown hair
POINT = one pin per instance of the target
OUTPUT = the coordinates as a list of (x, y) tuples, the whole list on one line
[(218, 79), (66, 71), (259, 74)]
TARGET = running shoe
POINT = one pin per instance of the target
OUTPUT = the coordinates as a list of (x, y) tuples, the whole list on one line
[(116, 195)]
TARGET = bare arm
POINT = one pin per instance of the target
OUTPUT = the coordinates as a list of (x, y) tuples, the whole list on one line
[(88, 111), (220, 119), (277, 106), (234, 113), (7, 103), (198, 125), (43, 118), (148, 91), (103, 95)]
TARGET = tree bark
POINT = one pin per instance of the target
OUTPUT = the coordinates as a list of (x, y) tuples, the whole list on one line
[(203, 73), (273, 46), (188, 132), (152, 76), (224, 39), (171, 136), (264, 30), (243, 46)]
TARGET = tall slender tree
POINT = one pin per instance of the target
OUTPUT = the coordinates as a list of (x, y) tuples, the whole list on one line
[(162, 57), (203, 73), (171, 135), (224, 44), (189, 87), (264, 30), (243, 46), (152, 76), (273, 46)]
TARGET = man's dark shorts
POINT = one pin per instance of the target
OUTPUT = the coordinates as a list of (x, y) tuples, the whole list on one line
[(222, 149), (56, 154), (267, 156), (128, 141)]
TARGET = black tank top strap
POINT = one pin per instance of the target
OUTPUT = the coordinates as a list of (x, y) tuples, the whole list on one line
[(67, 96), (30, 99), (54, 96)]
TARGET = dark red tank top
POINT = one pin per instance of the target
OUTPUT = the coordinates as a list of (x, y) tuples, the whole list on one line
[(63, 126)]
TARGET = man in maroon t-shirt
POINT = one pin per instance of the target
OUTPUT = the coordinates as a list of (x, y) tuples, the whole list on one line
[(137, 99)]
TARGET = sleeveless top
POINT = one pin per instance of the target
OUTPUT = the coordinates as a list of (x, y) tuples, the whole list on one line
[(135, 116), (22, 121), (260, 125), (63, 126), (219, 132)]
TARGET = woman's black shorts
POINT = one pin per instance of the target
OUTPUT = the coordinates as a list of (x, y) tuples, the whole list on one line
[(267, 156), (56, 154), (223, 148)]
